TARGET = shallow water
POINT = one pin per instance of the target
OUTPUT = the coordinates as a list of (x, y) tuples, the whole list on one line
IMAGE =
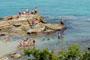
[(75, 12)]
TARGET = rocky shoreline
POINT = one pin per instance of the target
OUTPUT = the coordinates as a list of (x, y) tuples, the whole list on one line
[(23, 24)]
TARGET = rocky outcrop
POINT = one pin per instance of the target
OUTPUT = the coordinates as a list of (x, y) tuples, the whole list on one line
[(23, 23), (46, 28)]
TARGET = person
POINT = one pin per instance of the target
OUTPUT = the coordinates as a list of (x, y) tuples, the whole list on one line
[(59, 36), (27, 11), (26, 43), (32, 12), (20, 13), (32, 25), (35, 10), (62, 21), (20, 44), (34, 42), (23, 12)]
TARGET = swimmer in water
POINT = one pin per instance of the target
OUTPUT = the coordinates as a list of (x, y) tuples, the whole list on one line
[(59, 36), (34, 43), (20, 44), (25, 43)]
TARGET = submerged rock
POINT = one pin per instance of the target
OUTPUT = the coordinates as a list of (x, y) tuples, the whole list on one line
[(15, 55), (3, 58)]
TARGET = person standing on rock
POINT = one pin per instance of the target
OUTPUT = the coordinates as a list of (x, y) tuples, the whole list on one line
[(62, 21)]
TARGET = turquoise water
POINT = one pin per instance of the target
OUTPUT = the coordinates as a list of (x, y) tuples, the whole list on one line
[(75, 12), (47, 7)]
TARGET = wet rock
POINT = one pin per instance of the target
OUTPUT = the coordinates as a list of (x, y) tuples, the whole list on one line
[(3, 58), (46, 28), (54, 26), (15, 55)]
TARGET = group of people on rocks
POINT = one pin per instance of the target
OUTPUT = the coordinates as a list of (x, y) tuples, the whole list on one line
[(27, 11), (26, 44)]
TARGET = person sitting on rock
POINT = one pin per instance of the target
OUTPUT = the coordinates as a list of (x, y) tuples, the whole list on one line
[(35, 10), (27, 11), (37, 21), (34, 22), (20, 13), (62, 21)]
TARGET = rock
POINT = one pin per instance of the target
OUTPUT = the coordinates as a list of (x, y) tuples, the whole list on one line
[(3, 58), (23, 23), (54, 26), (4, 23), (8, 17), (49, 31), (37, 28), (18, 31), (15, 55), (2, 34), (4, 26), (15, 17)]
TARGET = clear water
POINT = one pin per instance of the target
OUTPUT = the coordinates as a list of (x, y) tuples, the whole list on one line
[(75, 12)]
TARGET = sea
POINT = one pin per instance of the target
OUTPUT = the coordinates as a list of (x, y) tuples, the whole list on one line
[(76, 14)]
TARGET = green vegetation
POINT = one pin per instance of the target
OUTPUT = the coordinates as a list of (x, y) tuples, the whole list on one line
[(72, 53)]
